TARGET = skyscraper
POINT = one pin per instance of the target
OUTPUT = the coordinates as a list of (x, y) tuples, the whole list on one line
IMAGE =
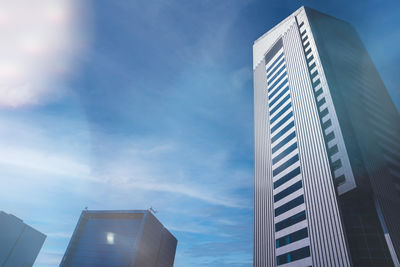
[(19, 243), (327, 149), (120, 238)]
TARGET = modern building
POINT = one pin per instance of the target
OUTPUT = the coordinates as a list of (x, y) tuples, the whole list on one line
[(132, 238), (19, 243), (327, 149)]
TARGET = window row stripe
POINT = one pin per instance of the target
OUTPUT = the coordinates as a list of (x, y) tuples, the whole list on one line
[(294, 255), (319, 92), (286, 140), (276, 60), (276, 74), (321, 102), (277, 89), (280, 113), (330, 136), (282, 132), (277, 66), (324, 113), (281, 122), (287, 177), (285, 165), (326, 124), (290, 205), (340, 179), (284, 153), (315, 73), (316, 83), (283, 101), (301, 216), (333, 150), (284, 91), (283, 75), (336, 165), (292, 237), (291, 189)]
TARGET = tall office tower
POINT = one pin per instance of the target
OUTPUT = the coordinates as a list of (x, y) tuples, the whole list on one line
[(327, 149), (19, 243), (132, 238)]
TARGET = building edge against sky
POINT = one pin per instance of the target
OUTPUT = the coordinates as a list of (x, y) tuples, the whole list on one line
[(327, 142), (120, 238), (19, 243)]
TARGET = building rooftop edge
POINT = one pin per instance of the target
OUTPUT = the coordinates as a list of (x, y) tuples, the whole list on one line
[(115, 211), (127, 212), (22, 221), (12, 215), (294, 14), (280, 23)]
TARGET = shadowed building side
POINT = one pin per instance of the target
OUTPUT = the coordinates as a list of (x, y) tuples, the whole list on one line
[(371, 129)]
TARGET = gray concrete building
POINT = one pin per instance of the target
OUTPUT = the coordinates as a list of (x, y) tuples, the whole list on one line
[(327, 149), (19, 243), (120, 238)]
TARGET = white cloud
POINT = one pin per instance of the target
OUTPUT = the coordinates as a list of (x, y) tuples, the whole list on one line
[(171, 167), (41, 40), (227, 222), (192, 228), (37, 160), (65, 235), (49, 257), (39, 155), (36, 145)]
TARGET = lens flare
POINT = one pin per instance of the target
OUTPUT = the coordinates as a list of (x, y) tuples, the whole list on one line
[(42, 42)]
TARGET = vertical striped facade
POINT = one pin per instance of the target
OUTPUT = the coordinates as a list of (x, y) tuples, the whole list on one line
[(305, 174)]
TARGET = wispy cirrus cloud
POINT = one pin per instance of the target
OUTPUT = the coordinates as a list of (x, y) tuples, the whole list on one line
[(191, 191), (52, 163), (35, 145), (65, 235), (49, 258), (173, 167)]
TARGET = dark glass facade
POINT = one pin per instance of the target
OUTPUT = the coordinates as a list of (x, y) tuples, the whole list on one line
[(370, 125), (366, 239), (120, 238)]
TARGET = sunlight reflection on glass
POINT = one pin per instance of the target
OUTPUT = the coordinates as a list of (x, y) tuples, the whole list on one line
[(110, 238)]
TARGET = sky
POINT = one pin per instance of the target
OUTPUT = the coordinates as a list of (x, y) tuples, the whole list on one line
[(147, 103)]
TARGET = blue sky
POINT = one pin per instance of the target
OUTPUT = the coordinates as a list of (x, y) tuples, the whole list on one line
[(148, 103)]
